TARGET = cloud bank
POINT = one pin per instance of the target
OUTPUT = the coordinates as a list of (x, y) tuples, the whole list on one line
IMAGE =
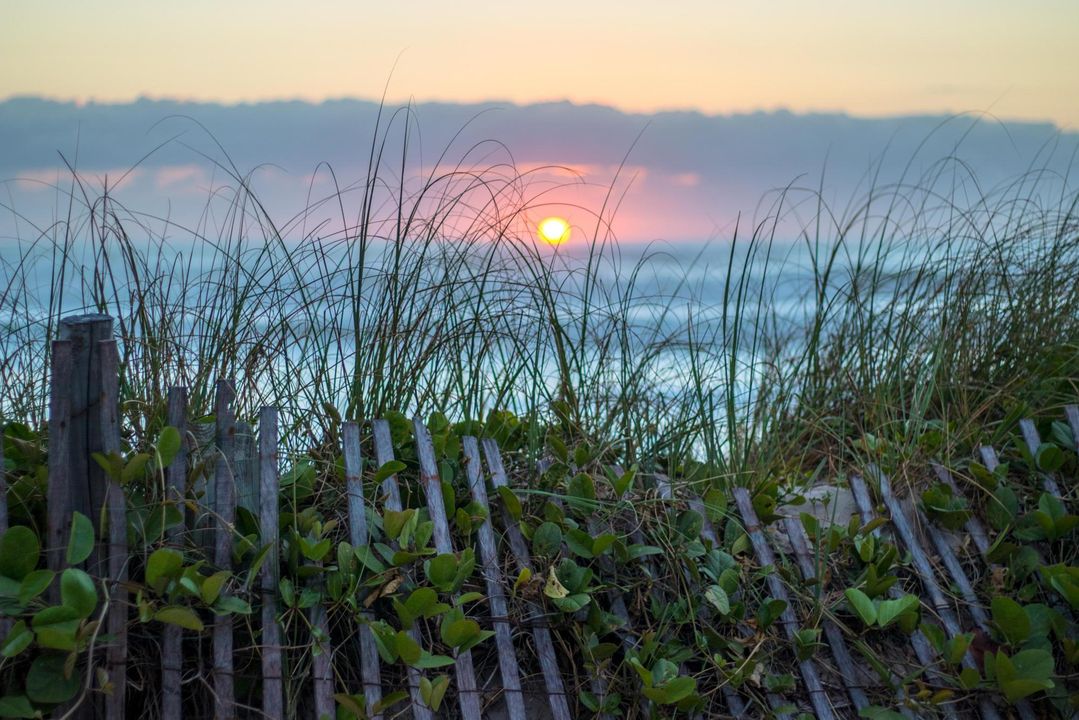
[(684, 175)]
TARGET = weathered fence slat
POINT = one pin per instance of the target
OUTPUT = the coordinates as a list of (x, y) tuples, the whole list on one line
[(492, 575), (225, 511), (734, 701), (87, 483), (666, 493), (947, 557), (172, 635), (850, 673), (973, 525), (990, 459), (322, 660), (552, 676), (117, 555), (926, 575), (273, 694), (359, 537), (822, 706), (1033, 441), (708, 531), (467, 691), (1072, 413), (922, 649), (58, 520), (246, 470), (392, 494)]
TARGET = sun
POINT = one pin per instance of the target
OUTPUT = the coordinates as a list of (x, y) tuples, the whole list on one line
[(553, 230)]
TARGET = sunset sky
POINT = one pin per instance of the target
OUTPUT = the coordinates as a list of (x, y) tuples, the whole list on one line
[(1014, 60)]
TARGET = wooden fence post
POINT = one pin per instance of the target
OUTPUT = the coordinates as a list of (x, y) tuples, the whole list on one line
[(225, 510), (548, 659), (492, 575), (358, 537), (468, 696), (392, 493), (87, 482), (273, 698), (117, 554), (172, 658), (817, 696)]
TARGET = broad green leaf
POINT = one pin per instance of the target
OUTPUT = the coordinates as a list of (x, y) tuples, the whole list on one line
[(18, 639), (227, 604), (862, 605), (407, 648), (510, 502), (77, 592), (547, 540), (1024, 674), (889, 610), (34, 584), (165, 564), (168, 444), (1011, 620), (56, 626), (16, 706), (185, 617), (442, 570), (19, 551), (387, 469), (717, 596), (46, 682), (572, 603), (211, 586), (458, 632)]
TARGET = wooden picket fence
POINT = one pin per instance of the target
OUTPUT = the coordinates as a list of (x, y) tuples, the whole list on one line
[(84, 418)]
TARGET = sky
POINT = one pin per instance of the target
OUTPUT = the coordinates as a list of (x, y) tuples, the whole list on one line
[(694, 111), (1015, 60)]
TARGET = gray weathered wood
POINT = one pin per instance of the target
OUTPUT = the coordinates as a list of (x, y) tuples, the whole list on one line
[(117, 551), (552, 676), (922, 649), (1033, 441), (822, 706), (322, 660), (734, 702), (973, 525), (225, 512), (849, 671), (88, 484), (467, 690), (944, 551), (359, 537), (58, 520), (492, 575), (392, 494), (273, 695), (666, 493), (991, 461), (924, 570), (246, 468), (981, 541), (1072, 413), (172, 635)]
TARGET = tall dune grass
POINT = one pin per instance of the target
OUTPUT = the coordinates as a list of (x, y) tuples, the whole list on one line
[(926, 300)]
